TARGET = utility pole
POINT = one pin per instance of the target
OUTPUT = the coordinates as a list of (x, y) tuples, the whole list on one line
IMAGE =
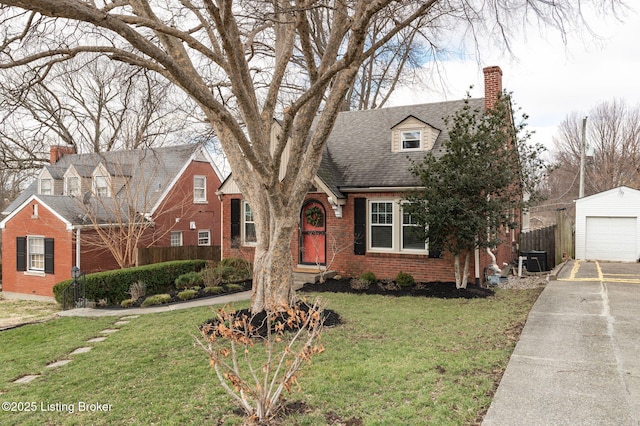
[(582, 154)]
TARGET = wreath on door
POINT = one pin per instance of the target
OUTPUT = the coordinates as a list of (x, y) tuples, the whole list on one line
[(314, 216)]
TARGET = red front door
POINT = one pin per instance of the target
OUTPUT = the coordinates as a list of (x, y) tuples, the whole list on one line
[(313, 234)]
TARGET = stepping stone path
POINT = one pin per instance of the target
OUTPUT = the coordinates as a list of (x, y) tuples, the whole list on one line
[(58, 363), (122, 321)]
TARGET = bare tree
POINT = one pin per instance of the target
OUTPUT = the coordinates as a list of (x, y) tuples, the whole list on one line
[(236, 60), (94, 105)]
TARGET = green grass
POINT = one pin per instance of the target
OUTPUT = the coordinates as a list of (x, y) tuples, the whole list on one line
[(394, 361)]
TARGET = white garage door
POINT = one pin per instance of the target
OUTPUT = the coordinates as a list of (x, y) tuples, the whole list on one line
[(611, 238)]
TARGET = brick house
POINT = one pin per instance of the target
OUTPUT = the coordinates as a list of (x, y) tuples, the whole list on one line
[(51, 226), (357, 193)]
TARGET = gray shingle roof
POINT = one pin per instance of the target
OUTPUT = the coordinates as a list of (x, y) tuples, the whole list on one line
[(153, 169), (359, 147)]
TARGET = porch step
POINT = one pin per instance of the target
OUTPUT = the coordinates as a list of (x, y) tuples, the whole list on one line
[(303, 276)]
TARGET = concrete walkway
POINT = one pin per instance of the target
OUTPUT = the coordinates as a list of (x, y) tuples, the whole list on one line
[(578, 359), (207, 301)]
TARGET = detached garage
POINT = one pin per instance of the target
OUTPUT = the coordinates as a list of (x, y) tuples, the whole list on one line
[(607, 225)]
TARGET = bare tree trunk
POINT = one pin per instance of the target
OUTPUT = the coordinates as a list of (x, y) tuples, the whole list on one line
[(461, 275), (272, 270)]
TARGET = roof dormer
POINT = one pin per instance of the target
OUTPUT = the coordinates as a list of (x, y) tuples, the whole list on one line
[(101, 181), (45, 182), (72, 182), (413, 134)]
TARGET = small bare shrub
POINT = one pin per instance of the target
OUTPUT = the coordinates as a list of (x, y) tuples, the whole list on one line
[(359, 284), (138, 290), (255, 368)]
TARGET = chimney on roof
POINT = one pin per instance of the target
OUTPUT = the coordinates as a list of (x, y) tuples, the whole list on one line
[(57, 151), (492, 86)]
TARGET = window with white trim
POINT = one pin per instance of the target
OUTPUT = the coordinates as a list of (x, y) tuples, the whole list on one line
[(46, 186), (72, 186), (409, 238), (35, 253), (204, 238), (391, 229), (100, 186), (381, 224), (176, 239), (411, 140), (199, 189), (249, 225)]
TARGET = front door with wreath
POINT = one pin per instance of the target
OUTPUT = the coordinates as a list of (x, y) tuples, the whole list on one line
[(313, 234)]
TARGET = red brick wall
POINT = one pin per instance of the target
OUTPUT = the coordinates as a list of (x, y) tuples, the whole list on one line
[(179, 205), (48, 226), (340, 232)]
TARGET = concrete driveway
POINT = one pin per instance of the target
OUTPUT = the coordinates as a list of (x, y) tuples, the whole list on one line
[(578, 359)]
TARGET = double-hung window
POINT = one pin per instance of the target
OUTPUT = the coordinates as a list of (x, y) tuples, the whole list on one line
[(410, 235), (204, 238), (199, 189), (73, 186), (176, 239), (100, 186), (46, 186), (35, 253), (381, 222), (249, 225)]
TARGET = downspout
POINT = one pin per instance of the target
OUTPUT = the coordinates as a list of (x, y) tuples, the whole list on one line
[(78, 247)]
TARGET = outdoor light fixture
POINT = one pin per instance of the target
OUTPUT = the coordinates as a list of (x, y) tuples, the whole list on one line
[(75, 272)]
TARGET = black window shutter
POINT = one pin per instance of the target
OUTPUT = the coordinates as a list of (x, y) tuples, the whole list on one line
[(359, 226), (235, 222), (48, 255), (21, 251)]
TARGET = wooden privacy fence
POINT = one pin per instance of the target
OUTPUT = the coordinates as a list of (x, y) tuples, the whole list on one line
[(543, 239), (150, 255)]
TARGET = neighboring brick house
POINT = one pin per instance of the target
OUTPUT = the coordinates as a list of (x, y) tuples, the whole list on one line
[(50, 227), (363, 176)]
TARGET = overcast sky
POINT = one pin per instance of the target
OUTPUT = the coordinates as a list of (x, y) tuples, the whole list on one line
[(550, 79)]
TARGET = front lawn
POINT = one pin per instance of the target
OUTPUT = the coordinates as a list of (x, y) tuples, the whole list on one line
[(13, 312), (394, 360)]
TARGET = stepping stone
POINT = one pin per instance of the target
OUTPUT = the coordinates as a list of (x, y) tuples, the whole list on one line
[(81, 350), (109, 330), (121, 323), (129, 317), (58, 363), (97, 340), (26, 379)]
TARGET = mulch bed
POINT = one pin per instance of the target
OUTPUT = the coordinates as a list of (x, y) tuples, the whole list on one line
[(442, 290)]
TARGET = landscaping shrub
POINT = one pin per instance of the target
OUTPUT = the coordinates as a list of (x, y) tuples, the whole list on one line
[(216, 276), (113, 285), (368, 277), (359, 284), (156, 299), (214, 289), (233, 287), (243, 267), (404, 279), (187, 294), (190, 279), (127, 303)]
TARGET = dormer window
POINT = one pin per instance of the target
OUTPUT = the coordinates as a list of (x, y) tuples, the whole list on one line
[(46, 186), (411, 140), (100, 186), (72, 186)]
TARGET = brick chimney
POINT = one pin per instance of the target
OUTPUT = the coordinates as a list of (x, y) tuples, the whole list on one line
[(57, 151), (492, 86)]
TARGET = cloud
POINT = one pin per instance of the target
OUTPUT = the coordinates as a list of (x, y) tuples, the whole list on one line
[(550, 79)]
